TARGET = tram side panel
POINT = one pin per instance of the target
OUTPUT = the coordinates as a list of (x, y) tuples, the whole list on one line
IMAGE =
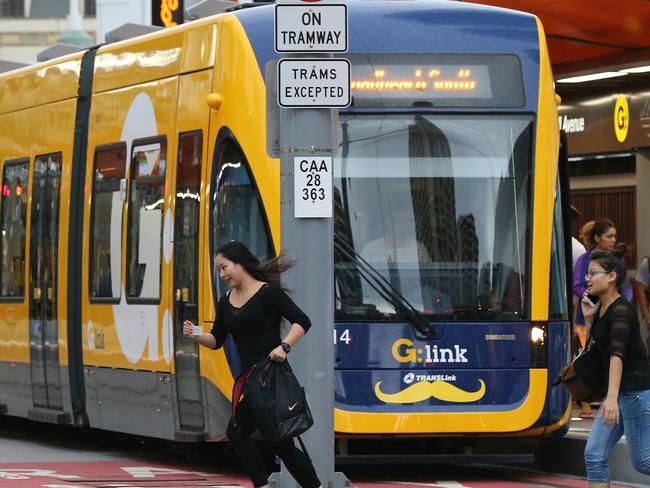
[(127, 298), (189, 202), (36, 181), (237, 136), (15, 383)]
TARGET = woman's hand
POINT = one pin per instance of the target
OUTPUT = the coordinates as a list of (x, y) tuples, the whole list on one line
[(609, 411), (187, 329), (278, 355), (588, 311)]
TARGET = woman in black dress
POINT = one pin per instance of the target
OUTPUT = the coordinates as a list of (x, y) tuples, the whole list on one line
[(252, 312)]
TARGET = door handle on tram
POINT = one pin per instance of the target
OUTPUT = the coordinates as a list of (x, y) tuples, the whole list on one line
[(186, 294), (50, 293), (178, 295), (37, 293)]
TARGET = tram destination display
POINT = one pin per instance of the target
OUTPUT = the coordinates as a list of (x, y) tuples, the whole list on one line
[(436, 80)]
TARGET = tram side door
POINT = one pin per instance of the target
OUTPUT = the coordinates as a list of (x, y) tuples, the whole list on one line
[(43, 324), (186, 282)]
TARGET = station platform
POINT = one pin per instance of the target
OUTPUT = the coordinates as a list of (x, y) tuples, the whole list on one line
[(565, 455)]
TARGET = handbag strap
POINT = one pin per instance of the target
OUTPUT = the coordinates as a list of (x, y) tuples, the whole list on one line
[(304, 449), (585, 349), (237, 390)]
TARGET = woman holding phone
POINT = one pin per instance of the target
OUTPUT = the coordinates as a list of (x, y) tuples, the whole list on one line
[(624, 371), (596, 235), (252, 312)]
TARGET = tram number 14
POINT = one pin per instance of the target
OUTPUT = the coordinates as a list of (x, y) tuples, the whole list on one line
[(343, 337)]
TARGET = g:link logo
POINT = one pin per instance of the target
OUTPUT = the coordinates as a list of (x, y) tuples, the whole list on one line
[(621, 118), (404, 352)]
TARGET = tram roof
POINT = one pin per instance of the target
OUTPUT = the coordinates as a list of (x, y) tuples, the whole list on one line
[(375, 27)]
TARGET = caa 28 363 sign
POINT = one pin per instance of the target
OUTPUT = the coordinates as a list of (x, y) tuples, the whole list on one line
[(312, 186)]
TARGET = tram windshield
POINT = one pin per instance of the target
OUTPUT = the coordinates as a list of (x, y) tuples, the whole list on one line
[(439, 207)]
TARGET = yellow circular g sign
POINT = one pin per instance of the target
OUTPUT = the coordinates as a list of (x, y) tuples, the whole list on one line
[(621, 118)]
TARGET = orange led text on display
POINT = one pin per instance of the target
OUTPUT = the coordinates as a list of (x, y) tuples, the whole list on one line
[(430, 79)]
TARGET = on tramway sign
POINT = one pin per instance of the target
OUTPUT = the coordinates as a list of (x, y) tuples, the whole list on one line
[(309, 83), (321, 28)]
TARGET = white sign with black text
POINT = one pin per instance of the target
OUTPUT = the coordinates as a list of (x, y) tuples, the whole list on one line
[(314, 83), (311, 28), (312, 176)]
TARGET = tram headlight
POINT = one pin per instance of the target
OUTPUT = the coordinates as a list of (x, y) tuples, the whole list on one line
[(536, 334), (538, 346)]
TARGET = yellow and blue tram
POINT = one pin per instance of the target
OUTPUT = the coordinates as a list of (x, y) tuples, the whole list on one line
[(125, 165)]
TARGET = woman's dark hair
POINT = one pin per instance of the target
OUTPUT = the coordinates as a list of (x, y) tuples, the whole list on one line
[(610, 263), (601, 226), (268, 270)]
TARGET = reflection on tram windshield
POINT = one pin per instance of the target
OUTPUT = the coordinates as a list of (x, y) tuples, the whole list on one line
[(439, 206)]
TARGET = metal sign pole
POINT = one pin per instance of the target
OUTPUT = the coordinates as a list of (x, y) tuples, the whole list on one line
[(307, 141)]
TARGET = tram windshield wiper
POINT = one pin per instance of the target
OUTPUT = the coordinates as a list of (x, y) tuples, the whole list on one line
[(375, 279)]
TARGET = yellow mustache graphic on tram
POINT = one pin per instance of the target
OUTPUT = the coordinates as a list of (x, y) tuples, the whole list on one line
[(424, 390)]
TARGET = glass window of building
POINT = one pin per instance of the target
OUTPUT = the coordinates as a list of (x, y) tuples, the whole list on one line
[(12, 8), (90, 8), (145, 221), (13, 220), (105, 265), (49, 8)]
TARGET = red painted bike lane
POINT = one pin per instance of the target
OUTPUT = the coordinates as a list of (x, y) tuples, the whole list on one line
[(129, 474)]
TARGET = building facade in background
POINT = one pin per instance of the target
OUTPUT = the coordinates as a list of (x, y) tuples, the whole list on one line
[(28, 27), (608, 132)]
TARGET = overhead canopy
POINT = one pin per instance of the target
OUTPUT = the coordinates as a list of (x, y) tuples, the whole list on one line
[(588, 33)]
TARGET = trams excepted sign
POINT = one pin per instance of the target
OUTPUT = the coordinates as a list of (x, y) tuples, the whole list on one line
[(312, 176), (311, 28), (310, 83)]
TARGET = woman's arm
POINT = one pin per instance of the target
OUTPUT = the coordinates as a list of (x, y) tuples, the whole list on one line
[(609, 409), (295, 334), (300, 323), (217, 336), (207, 339)]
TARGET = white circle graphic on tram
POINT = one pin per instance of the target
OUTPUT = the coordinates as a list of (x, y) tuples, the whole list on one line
[(167, 336), (168, 236), (137, 323), (90, 335)]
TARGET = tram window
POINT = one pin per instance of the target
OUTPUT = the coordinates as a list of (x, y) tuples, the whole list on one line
[(145, 221), (15, 185), (237, 210), (105, 263), (438, 208), (557, 302)]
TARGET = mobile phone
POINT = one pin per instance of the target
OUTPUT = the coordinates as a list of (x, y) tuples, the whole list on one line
[(592, 300)]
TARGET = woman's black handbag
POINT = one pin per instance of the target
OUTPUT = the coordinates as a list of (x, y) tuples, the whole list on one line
[(583, 376), (276, 399)]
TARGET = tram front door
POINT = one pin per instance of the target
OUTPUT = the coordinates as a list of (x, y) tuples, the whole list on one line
[(186, 281), (43, 325)]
